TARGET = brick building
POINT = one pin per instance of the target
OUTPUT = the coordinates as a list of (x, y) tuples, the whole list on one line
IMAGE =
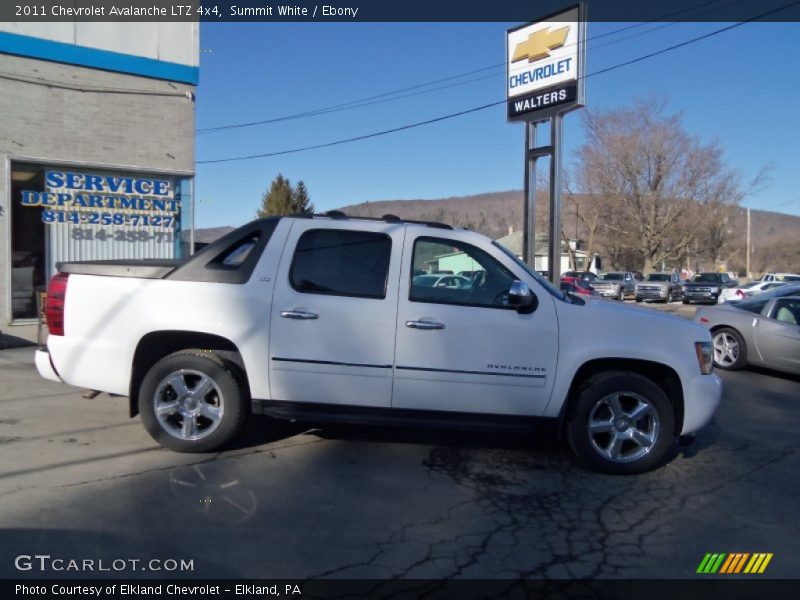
[(96, 148)]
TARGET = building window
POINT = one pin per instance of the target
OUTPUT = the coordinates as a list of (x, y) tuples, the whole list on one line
[(61, 214)]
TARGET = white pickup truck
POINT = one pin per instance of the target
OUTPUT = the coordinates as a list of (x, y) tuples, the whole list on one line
[(330, 318)]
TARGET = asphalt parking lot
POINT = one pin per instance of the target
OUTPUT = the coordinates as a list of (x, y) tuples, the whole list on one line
[(79, 480)]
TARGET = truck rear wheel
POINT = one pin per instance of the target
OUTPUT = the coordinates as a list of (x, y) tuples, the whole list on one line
[(190, 401), (622, 423)]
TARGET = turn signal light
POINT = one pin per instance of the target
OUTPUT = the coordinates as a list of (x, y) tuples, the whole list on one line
[(705, 357)]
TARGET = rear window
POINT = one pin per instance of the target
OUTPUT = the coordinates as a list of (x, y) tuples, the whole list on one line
[(341, 263)]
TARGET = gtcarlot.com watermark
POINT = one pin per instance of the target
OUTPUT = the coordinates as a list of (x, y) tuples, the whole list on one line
[(45, 563)]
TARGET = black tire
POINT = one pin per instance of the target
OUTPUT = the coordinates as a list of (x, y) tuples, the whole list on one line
[(741, 358), (685, 301), (638, 299), (226, 393), (621, 296), (632, 388)]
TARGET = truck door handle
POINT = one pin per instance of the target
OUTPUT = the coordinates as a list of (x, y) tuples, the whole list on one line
[(423, 324), (298, 314)]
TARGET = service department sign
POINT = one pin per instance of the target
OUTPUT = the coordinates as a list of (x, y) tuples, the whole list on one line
[(544, 66)]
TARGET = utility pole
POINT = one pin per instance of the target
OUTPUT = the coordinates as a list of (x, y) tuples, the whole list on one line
[(747, 259)]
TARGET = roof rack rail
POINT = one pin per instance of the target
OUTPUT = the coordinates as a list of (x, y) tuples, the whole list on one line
[(338, 214)]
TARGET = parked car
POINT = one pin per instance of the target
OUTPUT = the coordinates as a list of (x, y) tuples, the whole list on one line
[(747, 290), (706, 287), (577, 286), (784, 277), (323, 321), (617, 285), (586, 276), (661, 287), (469, 274), (763, 331), (448, 281)]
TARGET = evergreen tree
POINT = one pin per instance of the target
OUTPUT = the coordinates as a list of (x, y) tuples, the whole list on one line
[(278, 199), (301, 200)]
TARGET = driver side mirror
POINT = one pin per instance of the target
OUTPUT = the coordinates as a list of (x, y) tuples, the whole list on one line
[(521, 298)]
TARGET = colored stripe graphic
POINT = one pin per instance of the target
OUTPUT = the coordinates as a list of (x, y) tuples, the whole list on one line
[(734, 563), (758, 563), (711, 562)]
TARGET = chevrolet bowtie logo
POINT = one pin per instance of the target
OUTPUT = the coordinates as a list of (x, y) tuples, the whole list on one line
[(539, 44)]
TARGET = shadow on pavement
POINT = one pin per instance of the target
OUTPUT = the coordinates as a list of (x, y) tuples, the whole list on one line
[(11, 341)]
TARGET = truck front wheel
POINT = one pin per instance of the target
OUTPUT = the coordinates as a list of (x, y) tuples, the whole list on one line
[(190, 401), (621, 423)]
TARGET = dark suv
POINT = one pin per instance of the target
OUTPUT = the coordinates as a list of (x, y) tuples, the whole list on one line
[(706, 287)]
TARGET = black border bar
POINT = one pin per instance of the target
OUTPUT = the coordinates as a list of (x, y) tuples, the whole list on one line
[(219, 11), (733, 587)]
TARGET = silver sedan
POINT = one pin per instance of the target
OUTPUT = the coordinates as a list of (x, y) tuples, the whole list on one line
[(763, 331)]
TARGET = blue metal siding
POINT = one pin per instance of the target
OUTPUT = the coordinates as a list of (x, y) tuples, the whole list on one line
[(22, 45)]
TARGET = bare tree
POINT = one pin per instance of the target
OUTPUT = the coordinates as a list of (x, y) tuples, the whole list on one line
[(642, 158)]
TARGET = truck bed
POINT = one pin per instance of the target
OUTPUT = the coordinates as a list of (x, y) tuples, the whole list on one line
[(141, 269)]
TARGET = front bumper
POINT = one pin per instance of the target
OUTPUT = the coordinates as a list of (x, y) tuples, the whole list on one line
[(701, 397), (607, 292), (700, 296), (45, 366), (660, 294)]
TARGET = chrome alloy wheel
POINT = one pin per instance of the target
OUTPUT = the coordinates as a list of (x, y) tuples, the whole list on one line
[(188, 404), (726, 349), (623, 426)]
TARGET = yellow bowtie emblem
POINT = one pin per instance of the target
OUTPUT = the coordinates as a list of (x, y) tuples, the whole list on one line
[(539, 44)]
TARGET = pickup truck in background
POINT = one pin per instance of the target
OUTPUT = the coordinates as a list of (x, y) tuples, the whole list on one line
[(318, 319), (707, 287), (663, 287), (617, 285)]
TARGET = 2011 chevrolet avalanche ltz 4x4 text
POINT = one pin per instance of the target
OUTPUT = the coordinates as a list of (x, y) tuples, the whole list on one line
[(319, 318)]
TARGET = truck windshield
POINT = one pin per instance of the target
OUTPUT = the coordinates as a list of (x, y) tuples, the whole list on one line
[(706, 278), (658, 277), (542, 281), (612, 277)]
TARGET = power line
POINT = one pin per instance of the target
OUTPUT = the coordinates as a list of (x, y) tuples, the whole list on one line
[(491, 104), (390, 96), (87, 88)]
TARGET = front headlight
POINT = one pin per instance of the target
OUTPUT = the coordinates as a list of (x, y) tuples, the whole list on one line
[(683, 288), (715, 290), (705, 357)]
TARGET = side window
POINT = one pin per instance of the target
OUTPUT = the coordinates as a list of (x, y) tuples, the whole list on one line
[(487, 284), (787, 311), (341, 262), (236, 255)]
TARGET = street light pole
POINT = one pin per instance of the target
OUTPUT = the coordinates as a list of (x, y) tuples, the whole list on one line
[(747, 259)]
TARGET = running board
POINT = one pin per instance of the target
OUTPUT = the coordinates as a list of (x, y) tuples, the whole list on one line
[(396, 417)]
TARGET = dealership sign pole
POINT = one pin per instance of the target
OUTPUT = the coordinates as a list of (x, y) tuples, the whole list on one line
[(544, 80)]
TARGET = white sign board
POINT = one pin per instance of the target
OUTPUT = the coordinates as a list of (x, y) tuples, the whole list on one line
[(544, 66)]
